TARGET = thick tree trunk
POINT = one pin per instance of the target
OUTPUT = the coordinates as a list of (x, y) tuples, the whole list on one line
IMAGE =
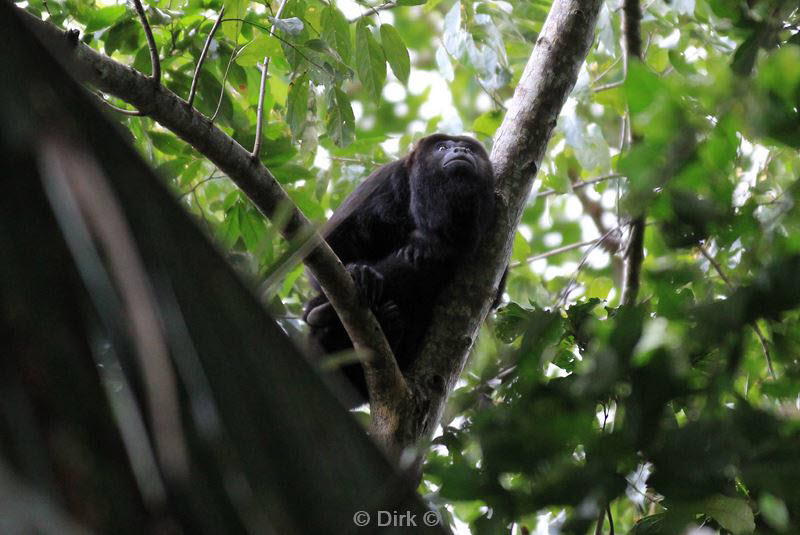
[(518, 150)]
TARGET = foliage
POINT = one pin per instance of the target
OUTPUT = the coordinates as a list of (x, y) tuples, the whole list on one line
[(680, 411)]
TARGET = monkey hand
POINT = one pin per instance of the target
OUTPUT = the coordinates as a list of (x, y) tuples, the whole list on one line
[(419, 250), (368, 282)]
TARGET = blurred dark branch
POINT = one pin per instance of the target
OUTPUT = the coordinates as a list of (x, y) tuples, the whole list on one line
[(80, 174), (634, 255), (251, 176)]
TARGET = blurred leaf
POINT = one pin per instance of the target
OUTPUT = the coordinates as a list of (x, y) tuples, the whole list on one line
[(396, 52), (370, 61), (254, 52), (297, 105), (340, 123), (336, 32), (487, 123), (733, 514), (104, 17)]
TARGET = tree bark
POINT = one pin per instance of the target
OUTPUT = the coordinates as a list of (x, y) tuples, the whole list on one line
[(519, 147)]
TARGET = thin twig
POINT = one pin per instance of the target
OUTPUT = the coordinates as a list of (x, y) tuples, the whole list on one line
[(224, 81), (262, 87), (491, 95), (583, 184), (151, 42), (209, 178), (754, 325), (202, 58), (559, 250), (606, 87), (608, 69), (594, 209), (599, 241), (374, 11), (132, 113)]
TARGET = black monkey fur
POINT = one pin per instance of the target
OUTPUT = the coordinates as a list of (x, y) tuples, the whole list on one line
[(401, 234)]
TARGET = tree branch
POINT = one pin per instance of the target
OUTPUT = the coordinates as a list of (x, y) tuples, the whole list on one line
[(249, 175), (519, 147), (261, 88), (634, 255), (202, 57), (151, 43)]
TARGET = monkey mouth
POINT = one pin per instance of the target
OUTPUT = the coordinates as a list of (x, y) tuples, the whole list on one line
[(463, 160)]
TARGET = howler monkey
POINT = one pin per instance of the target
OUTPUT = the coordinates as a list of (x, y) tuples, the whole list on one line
[(401, 234)]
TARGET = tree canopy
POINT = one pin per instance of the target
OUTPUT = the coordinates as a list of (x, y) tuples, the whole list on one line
[(674, 410)]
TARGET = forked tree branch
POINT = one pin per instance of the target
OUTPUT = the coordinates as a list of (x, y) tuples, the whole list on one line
[(519, 147)]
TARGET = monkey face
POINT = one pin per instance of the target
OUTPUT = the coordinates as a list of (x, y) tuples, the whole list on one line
[(450, 156)]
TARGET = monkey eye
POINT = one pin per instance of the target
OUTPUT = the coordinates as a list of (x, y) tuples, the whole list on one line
[(441, 147)]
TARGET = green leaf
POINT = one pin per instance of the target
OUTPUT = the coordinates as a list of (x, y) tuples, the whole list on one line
[(745, 56), (487, 124), (370, 61), (396, 52), (558, 182), (336, 32), (123, 36), (252, 228), (104, 17), (511, 322), (340, 123), (681, 65), (297, 105), (230, 227), (166, 143), (288, 173), (410, 2), (254, 52), (234, 9), (774, 511), (780, 72), (732, 514), (641, 86)]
